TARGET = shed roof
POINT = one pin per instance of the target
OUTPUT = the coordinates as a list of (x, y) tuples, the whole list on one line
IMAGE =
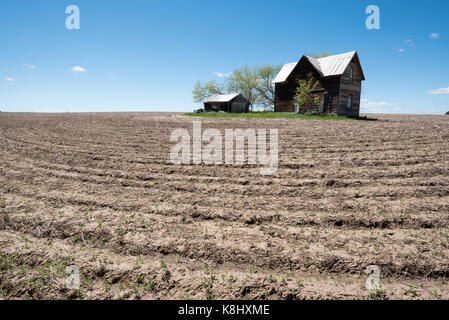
[(327, 66), (221, 97)]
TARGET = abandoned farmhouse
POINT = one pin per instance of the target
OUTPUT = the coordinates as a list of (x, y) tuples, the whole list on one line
[(337, 87), (339, 84)]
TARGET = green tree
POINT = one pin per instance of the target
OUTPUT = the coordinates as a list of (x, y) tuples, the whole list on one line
[(203, 91), (265, 88), (304, 95), (244, 81), (318, 55), (254, 83)]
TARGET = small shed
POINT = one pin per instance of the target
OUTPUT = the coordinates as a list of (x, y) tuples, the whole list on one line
[(234, 103)]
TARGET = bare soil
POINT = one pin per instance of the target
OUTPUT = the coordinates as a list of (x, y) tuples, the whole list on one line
[(99, 191)]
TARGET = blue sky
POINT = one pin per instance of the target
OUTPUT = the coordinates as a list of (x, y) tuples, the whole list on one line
[(141, 55)]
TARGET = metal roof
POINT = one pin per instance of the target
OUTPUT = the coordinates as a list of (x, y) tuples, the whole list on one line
[(285, 72), (221, 97), (316, 63), (334, 65), (328, 66)]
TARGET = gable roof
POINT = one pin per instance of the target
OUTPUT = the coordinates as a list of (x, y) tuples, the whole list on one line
[(327, 66), (285, 72), (221, 97)]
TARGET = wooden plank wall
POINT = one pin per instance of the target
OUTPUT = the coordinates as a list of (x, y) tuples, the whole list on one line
[(285, 92), (346, 88)]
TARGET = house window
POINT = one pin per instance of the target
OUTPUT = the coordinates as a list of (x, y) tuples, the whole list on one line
[(351, 75), (349, 102)]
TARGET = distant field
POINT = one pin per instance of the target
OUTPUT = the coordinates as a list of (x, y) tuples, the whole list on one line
[(266, 114), (98, 191)]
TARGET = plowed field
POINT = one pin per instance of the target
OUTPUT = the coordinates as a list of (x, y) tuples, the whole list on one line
[(98, 191)]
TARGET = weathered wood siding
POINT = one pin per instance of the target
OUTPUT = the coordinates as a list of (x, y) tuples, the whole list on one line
[(346, 88), (285, 92), (243, 100), (332, 86)]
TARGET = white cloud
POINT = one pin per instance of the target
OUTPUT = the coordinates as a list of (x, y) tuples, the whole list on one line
[(439, 91), (434, 35), (366, 103), (410, 43), (77, 69), (222, 75), (369, 106), (400, 50), (9, 79), (29, 66)]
